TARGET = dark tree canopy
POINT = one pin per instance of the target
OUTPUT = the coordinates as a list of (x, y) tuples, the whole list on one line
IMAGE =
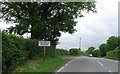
[(103, 49), (113, 42), (46, 20), (74, 52), (90, 50)]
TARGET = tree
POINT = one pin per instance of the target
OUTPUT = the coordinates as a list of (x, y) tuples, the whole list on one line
[(90, 50), (96, 53), (45, 21), (103, 49), (61, 52), (118, 42), (112, 43), (74, 52)]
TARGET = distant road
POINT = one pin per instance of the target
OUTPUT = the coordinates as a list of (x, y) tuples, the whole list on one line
[(90, 64)]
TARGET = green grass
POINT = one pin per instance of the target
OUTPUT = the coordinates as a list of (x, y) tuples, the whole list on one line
[(114, 55), (112, 58), (39, 65)]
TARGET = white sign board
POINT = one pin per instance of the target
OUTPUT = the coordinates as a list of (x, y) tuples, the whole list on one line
[(44, 43)]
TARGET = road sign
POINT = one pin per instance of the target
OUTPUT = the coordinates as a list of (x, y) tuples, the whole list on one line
[(44, 43)]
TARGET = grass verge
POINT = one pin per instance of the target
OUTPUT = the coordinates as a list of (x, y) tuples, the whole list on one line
[(113, 58), (39, 65), (114, 55)]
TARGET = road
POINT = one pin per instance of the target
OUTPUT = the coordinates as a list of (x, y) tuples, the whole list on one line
[(90, 64)]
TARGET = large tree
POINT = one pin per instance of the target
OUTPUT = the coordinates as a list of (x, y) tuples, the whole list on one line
[(90, 50), (96, 53), (113, 42), (45, 21), (103, 49)]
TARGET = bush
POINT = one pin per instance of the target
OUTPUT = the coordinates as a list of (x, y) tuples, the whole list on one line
[(32, 48), (74, 52), (96, 53), (13, 52), (61, 52), (16, 50), (115, 55), (81, 53)]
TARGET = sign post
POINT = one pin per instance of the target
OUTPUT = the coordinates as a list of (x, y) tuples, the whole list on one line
[(44, 44), (44, 53)]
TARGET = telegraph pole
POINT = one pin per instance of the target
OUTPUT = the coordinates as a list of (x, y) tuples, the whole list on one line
[(80, 43)]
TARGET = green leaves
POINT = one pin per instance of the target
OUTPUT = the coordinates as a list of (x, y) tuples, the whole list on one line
[(112, 42), (90, 50), (74, 52), (46, 19), (16, 50), (13, 52)]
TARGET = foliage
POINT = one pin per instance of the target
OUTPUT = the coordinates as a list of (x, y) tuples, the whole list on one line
[(90, 50), (103, 49), (96, 53), (44, 20), (112, 42), (118, 42), (114, 54), (16, 50), (82, 53), (74, 52), (13, 52), (61, 52)]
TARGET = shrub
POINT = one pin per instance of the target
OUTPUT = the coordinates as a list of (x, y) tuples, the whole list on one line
[(13, 52), (32, 48), (16, 50), (115, 54), (74, 52), (61, 52)]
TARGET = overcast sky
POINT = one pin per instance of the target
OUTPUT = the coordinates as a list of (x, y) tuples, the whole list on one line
[(94, 28)]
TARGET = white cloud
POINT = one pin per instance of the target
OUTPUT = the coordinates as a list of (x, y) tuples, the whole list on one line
[(94, 29)]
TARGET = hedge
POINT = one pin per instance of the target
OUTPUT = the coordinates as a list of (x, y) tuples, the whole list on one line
[(16, 50), (115, 55), (61, 52), (13, 52)]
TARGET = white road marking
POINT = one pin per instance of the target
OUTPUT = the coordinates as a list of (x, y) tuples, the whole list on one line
[(109, 71), (104, 67), (100, 63), (64, 66), (70, 61), (60, 69)]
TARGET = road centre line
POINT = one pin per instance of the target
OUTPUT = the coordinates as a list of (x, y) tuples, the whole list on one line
[(105, 68), (100, 63)]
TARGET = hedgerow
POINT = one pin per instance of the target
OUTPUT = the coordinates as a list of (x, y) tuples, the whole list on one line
[(115, 55), (16, 50), (13, 51)]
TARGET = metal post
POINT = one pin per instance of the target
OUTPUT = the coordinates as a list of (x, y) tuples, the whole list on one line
[(44, 53), (80, 43)]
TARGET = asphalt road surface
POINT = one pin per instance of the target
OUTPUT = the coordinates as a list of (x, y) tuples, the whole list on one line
[(90, 64)]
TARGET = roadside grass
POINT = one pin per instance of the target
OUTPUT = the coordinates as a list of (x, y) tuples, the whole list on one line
[(112, 58), (39, 65), (114, 55)]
